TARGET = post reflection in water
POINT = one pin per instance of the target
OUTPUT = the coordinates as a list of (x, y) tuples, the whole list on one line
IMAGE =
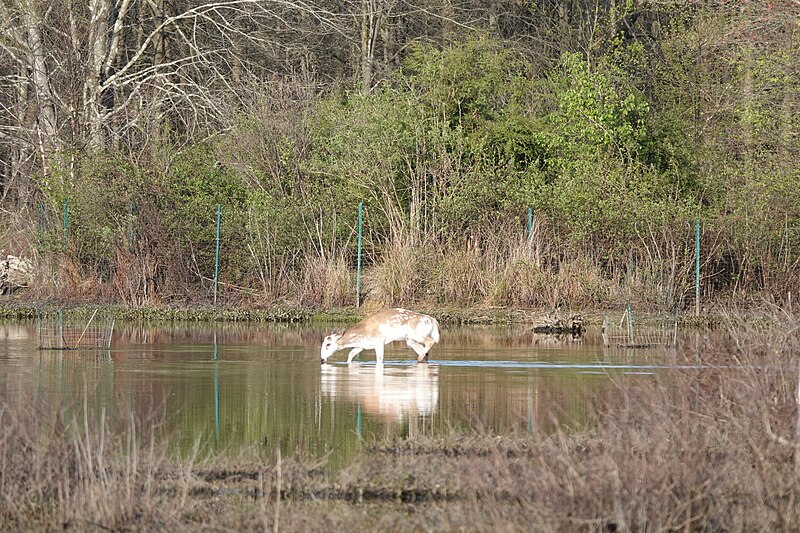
[(391, 393)]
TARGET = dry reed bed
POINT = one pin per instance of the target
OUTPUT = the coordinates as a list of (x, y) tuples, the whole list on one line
[(699, 449)]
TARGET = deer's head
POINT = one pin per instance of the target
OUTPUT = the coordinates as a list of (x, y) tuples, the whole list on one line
[(329, 345)]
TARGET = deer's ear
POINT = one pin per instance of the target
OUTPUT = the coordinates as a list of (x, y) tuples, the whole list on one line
[(338, 332)]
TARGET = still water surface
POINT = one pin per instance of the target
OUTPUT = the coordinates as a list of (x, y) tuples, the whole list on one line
[(234, 387)]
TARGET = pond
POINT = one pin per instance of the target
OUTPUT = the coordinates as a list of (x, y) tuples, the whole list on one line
[(229, 388)]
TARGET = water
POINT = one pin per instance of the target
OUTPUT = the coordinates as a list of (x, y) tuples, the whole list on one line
[(232, 388)]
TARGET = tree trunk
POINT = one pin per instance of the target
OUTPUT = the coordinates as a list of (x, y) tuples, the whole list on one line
[(46, 126), (371, 20), (448, 19)]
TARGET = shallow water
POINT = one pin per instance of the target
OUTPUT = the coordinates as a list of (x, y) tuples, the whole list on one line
[(233, 387)]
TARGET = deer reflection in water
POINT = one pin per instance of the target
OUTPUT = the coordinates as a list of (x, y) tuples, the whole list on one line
[(391, 393)]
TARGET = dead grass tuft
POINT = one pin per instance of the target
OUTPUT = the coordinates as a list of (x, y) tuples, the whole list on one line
[(327, 281)]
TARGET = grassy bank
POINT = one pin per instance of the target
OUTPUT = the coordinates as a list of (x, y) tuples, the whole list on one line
[(692, 450), (18, 309)]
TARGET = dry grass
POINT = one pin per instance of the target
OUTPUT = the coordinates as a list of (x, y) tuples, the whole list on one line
[(459, 276), (499, 266), (699, 449), (327, 281), (399, 278)]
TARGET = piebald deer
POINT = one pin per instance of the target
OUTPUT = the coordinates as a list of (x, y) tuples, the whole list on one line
[(419, 331)]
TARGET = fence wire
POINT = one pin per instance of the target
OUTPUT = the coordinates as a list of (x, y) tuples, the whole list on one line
[(56, 332), (625, 333)]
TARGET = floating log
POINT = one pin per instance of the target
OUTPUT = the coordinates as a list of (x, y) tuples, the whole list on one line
[(554, 324)]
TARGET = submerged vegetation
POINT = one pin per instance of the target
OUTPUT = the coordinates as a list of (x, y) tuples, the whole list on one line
[(695, 448), (617, 137)]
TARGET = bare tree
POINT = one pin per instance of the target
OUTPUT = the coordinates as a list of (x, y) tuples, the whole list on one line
[(109, 72)]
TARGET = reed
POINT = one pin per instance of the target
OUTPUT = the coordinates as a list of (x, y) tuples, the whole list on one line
[(327, 281), (400, 276)]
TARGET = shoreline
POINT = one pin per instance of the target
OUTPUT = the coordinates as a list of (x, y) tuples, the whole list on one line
[(477, 315)]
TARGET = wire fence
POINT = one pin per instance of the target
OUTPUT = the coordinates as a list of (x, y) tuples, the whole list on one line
[(58, 223), (625, 333), (55, 332)]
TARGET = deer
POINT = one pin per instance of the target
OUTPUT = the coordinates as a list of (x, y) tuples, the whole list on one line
[(419, 331)]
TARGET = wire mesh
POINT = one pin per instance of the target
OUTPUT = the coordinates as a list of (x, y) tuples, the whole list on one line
[(627, 334), (54, 331)]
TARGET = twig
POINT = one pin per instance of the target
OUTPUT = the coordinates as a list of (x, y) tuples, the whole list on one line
[(84, 329)]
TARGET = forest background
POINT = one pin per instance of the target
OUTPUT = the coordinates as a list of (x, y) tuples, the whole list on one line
[(617, 124)]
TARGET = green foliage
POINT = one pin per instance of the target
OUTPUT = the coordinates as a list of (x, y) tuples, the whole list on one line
[(607, 167), (188, 193), (458, 140), (452, 129), (362, 147), (97, 190), (466, 84)]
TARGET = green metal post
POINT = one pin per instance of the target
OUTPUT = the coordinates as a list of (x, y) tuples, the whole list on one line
[(216, 259), (358, 267), (130, 223), (697, 267), (66, 218), (358, 421), (630, 326), (215, 358), (60, 329), (530, 223), (530, 403)]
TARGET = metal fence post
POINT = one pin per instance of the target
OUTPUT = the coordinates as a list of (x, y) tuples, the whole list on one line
[(530, 223), (630, 325), (216, 258), (132, 234), (697, 268), (66, 218), (358, 266)]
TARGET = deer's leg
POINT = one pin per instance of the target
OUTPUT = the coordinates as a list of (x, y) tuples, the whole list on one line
[(354, 352), (428, 343), (379, 352), (422, 353)]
